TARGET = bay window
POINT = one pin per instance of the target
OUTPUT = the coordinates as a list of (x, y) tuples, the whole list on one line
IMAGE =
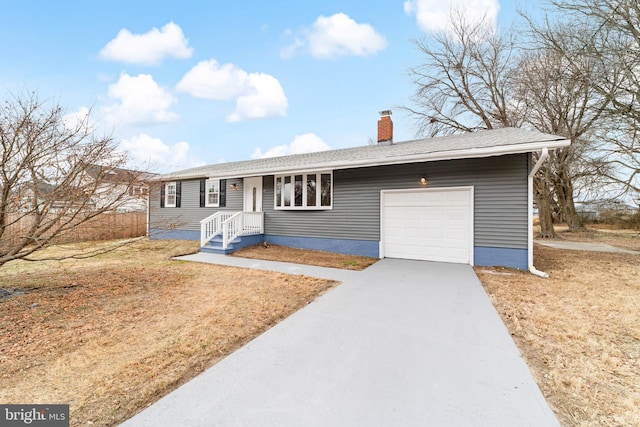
[(312, 190)]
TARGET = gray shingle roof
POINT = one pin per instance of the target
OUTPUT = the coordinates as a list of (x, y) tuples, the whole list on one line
[(469, 145)]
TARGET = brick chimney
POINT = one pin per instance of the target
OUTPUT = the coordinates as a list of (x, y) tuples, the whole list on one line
[(385, 127)]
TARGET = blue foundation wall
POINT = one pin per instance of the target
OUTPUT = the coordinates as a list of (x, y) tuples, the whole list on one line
[(173, 234), (502, 257), (483, 256), (341, 246)]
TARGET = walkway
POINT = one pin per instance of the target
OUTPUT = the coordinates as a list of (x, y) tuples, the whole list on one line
[(584, 246)]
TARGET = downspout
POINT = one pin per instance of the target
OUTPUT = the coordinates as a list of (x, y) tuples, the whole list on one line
[(544, 154)]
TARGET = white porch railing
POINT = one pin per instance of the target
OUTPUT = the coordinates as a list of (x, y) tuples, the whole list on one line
[(211, 226), (230, 225)]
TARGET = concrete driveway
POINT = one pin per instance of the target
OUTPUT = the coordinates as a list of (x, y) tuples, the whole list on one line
[(403, 343)]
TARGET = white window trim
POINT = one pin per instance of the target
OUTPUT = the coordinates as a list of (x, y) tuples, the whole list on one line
[(304, 206), (207, 186), (166, 194)]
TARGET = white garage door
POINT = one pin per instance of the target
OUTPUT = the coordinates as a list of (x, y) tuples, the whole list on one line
[(432, 225)]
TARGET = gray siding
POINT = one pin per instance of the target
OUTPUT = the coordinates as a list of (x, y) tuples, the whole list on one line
[(189, 214), (500, 189)]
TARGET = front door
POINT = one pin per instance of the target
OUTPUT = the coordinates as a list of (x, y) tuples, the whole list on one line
[(253, 194)]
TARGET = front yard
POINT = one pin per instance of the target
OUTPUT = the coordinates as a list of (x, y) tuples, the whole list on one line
[(110, 335)]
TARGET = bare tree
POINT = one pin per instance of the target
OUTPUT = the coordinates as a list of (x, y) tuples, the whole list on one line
[(55, 175), (474, 79), (619, 161), (471, 79), (465, 81), (615, 28), (615, 41), (558, 84)]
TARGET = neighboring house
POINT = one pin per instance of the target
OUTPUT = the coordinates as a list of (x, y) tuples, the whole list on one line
[(605, 209), (128, 187), (461, 198), (55, 200)]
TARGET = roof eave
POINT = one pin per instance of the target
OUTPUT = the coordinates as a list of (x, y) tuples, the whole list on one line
[(351, 164)]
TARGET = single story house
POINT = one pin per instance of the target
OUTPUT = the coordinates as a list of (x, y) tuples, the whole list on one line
[(462, 198)]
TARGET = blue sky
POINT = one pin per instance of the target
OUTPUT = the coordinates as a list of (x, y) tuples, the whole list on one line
[(188, 83)]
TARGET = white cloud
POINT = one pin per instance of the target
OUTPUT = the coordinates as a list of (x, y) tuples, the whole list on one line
[(152, 154), (257, 95), (139, 100), (435, 15), (265, 99), (307, 143), (334, 36), (149, 48), (211, 81), (78, 119)]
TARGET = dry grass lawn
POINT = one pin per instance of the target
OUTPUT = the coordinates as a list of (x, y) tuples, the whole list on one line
[(579, 330), (112, 334), (300, 256)]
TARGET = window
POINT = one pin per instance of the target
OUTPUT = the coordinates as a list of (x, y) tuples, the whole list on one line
[(311, 190), (170, 195), (297, 189), (304, 191), (286, 194), (325, 189), (213, 193)]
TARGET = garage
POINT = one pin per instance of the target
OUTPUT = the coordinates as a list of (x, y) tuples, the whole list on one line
[(428, 224)]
